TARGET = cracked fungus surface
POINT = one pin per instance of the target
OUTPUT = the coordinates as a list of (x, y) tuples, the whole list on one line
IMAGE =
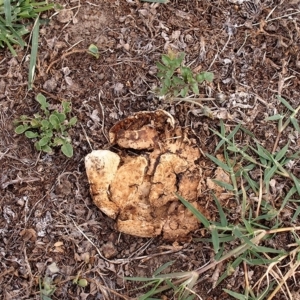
[(137, 186)]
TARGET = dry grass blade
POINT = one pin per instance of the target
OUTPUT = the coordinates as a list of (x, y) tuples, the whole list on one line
[(34, 50)]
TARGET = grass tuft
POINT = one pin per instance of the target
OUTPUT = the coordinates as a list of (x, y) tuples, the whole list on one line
[(15, 18), (253, 233)]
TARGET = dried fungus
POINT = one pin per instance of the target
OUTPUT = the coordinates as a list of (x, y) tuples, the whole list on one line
[(137, 186)]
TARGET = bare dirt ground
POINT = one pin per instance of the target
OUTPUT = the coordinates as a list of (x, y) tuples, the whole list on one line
[(46, 211)]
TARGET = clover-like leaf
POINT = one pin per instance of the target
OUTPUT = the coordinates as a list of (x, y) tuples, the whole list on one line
[(72, 121), (208, 76), (47, 149), (195, 88), (35, 123), (177, 81), (61, 116), (161, 67), (186, 73), (66, 107), (40, 98), (163, 91), (54, 121), (45, 124), (31, 134), (184, 91), (167, 82), (21, 129), (37, 146), (44, 141), (166, 60), (67, 149), (200, 77), (58, 141), (48, 134)]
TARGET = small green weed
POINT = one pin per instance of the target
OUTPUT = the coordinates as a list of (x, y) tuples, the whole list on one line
[(82, 282), (46, 285), (47, 288), (289, 119), (49, 129), (176, 79), (182, 283), (13, 13)]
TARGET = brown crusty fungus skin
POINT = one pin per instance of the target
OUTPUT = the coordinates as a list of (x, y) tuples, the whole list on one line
[(138, 190)]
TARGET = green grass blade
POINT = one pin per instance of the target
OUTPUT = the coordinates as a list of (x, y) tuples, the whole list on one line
[(291, 192), (236, 295), (296, 214), (253, 184), (261, 151), (230, 268), (248, 132), (223, 129), (170, 284), (264, 249), (268, 174), (11, 49), (224, 185), (221, 251), (282, 152), (17, 36), (163, 267), (274, 118), (140, 279), (297, 183), (222, 215), (215, 239), (248, 226), (7, 12), (285, 103), (222, 239), (295, 124), (34, 49), (260, 261), (153, 291), (44, 8), (196, 213), (243, 238), (233, 132), (234, 149), (218, 162), (221, 134), (293, 156)]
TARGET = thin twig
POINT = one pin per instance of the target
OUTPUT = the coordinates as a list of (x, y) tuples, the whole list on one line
[(64, 56), (86, 137), (10, 270), (103, 117), (19, 180)]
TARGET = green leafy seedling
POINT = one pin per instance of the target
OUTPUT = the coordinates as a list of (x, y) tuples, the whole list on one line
[(82, 282), (47, 288), (93, 50), (50, 128), (176, 79)]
